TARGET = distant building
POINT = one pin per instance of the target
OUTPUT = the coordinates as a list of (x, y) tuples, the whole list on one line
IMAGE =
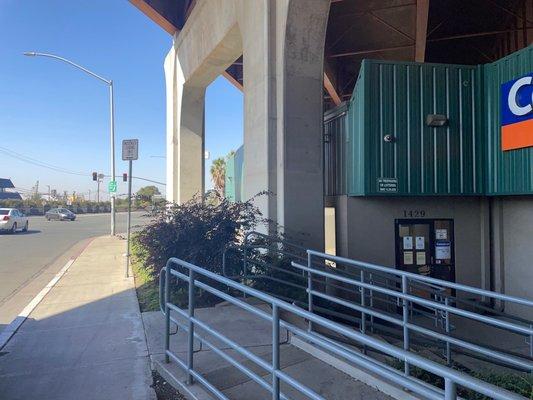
[(8, 195)]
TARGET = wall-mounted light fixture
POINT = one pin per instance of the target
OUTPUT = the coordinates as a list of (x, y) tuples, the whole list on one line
[(436, 120)]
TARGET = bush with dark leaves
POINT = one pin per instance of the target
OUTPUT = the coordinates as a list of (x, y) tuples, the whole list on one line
[(197, 232)]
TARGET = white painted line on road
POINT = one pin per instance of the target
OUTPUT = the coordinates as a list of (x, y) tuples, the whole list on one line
[(12, 328)]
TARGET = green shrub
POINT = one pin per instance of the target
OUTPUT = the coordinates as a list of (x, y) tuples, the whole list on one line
[(198, 232)]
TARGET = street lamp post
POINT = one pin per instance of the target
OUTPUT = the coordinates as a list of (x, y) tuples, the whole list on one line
[(112, 118)]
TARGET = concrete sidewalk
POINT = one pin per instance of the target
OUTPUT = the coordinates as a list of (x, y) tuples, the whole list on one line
[(85, 339)]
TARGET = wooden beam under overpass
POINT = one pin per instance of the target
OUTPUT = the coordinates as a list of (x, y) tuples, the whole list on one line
[(232, 80), (154, 16), (422, 13), (328, 85)]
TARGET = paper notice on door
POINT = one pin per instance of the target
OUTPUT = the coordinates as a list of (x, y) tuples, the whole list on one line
[(408, 258), (408, 243), (420, 243), (441, 234), (420, 258), (443, 251)]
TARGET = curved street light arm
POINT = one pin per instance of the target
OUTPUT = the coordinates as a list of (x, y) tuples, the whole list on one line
[(112, 117), (34, 53)]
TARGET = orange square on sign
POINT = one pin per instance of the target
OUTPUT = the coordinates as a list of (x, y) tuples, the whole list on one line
[(518, 135)]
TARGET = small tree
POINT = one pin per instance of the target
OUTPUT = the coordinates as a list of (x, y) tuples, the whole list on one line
[(218, 174), (145, 195)]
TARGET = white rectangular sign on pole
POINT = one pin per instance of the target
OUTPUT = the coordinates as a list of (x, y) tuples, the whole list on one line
[(130, 149)]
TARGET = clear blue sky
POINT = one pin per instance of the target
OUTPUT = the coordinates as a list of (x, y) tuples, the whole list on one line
[(54, 113)]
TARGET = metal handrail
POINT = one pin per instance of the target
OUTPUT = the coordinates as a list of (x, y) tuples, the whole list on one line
[(432, 282), (440, 309), (512, 360), (422, 278), (451, 377)]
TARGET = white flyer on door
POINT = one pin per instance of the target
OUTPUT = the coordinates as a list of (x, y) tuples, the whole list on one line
[(407, 242)]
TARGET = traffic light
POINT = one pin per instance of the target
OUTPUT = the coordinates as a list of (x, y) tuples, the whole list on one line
[(95, 176), (124, 177)]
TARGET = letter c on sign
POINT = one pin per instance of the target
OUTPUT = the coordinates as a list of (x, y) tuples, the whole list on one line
[(515, 108)]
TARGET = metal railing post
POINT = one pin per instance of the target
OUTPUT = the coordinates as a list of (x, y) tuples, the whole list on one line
[(244, 263), (447, 328), (405, 320), (190, 352), (531, 342), (450, 389), (167, 312), (275, 352), (309, 292), (363, 303), (371, 292)]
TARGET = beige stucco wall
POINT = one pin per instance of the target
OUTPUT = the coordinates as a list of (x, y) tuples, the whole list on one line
[(365, 230)]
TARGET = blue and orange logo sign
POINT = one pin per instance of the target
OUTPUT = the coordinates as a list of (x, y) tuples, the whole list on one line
[(517, 113)]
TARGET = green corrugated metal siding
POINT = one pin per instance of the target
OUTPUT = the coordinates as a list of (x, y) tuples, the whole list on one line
[(395, 98), (334, 151), (229, 183), (355, 140), (239, 173), (233, 189), (509, 172)]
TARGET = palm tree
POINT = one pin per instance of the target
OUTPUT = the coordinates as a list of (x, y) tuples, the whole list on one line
[(218, 174)]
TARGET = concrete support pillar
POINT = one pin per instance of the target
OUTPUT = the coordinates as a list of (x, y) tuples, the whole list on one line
[(185, 135), (282, 43), (283, 54), (300, 187), (259, 104)]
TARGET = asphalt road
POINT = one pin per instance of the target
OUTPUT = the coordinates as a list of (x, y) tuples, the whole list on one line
[(28, 261)]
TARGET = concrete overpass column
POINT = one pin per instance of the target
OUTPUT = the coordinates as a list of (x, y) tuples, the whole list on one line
[(300, 70), (185, 134), (283, 53), (259, 104)]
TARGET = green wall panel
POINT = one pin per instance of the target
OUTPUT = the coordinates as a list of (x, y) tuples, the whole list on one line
[(394, 98), (509, 172), (233, 188)]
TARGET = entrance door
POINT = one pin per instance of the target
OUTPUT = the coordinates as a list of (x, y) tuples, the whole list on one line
[(425, 247)]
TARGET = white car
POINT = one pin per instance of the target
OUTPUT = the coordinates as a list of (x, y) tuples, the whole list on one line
[(13, 220)]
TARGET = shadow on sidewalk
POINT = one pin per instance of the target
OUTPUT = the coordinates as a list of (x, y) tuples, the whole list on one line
[(79, 350)]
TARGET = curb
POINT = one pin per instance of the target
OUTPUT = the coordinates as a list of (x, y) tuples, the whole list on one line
[(13, 327)]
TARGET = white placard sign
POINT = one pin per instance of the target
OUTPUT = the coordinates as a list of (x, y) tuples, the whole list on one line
[(441, 234), (130, 149), (443, 251), (407, 242), (420, 242)]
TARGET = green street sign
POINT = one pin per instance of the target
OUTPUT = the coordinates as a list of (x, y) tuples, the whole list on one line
[(112, 186)]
